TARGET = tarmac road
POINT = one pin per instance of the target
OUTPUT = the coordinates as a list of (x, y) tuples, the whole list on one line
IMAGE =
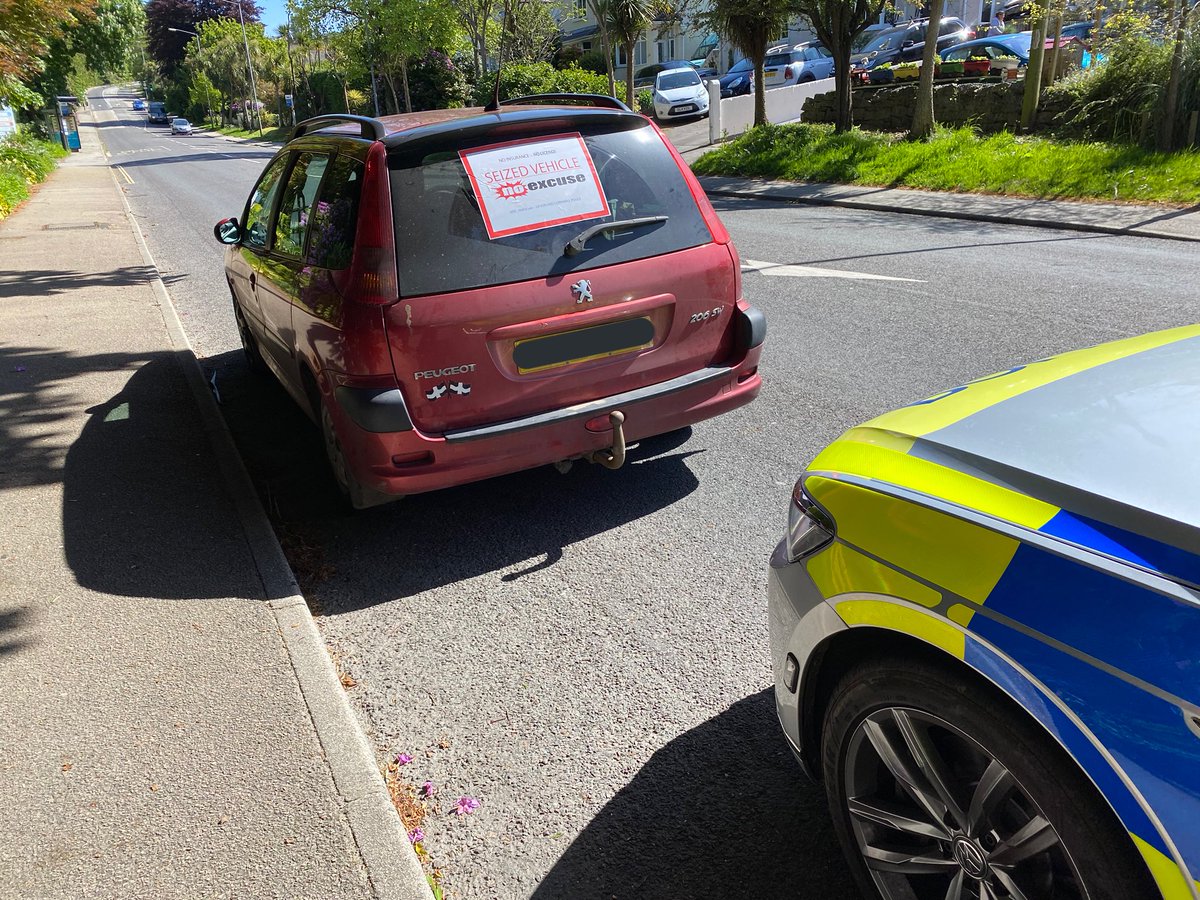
[(586, 654)]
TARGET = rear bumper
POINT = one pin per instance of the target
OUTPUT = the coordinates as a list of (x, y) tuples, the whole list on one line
[(409, 462)]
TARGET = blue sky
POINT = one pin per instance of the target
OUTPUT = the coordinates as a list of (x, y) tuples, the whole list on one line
[(274, 14)]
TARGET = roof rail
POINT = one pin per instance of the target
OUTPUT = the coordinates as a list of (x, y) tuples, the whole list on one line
[(576, 99), (370, 128)]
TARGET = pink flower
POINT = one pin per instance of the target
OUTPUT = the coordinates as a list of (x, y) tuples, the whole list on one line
[(416, 836), (403, 759), (465, 806), (427, 789)]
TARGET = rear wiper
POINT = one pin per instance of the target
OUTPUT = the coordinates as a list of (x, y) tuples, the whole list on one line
[(579, 244)]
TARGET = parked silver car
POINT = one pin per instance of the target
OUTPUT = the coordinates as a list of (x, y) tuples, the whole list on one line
[(810, 61)]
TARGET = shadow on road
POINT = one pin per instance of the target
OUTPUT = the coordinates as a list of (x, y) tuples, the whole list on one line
[(721, 811), (431, 540)]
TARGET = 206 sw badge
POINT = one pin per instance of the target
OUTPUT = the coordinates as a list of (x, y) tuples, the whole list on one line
[(459, 294)]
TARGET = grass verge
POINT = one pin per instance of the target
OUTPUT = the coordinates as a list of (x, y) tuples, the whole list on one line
[(24, 161), (960, 160), (278, 134)]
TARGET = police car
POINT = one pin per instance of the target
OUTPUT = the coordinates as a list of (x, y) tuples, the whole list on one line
[(985, 631)]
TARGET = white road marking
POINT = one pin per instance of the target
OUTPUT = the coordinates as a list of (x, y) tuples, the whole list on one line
[(781, 269)]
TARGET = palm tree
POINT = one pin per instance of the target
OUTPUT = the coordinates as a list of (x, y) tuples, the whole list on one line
[(601, 13), (750, 25), (627, 20)]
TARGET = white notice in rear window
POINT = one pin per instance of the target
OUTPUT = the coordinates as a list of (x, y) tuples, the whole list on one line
[(535, 183)]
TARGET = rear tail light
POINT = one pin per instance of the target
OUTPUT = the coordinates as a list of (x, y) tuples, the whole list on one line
[(716, 227), (787, 73), (809, 527), (373, 268)]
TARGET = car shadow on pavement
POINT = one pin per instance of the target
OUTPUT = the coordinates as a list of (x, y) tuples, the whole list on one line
[(430, 540), (721, 811), (145, 511)]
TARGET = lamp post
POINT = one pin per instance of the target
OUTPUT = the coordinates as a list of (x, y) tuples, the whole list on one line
[(207, 86), (249, 65)]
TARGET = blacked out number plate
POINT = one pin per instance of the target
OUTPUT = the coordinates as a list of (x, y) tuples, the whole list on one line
[(597, 342)]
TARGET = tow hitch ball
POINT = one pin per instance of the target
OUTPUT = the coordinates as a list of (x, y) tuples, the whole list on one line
[(612, 457)]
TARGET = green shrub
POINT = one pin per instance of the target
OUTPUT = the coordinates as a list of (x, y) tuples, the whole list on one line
[(523, 79), (593, 61), (13, 189), (645, 102), (1121, 98), (435, 81), (24, 160)]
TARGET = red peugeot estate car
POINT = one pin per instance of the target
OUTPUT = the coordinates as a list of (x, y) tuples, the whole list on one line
[(464, 293)]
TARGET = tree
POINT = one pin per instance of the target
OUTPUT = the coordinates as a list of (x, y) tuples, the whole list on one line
[(28, 26), (1166, 134), (922, 123), (477, 18), (750, 25), (600, 14), (533, 30), (1037, 57), (837, 23), (223, 62), (627, 20), (168, 47), (93, 49)]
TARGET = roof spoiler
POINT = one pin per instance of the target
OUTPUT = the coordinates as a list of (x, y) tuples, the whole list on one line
[(368, 127), (574, 99)]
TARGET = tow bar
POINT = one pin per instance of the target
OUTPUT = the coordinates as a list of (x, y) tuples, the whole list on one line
[(612, 457)]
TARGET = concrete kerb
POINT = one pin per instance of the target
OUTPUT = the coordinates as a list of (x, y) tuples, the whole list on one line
[(392, 866)]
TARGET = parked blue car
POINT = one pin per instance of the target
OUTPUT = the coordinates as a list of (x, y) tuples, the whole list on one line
[(985, 632), (738, 80), (992, 47)]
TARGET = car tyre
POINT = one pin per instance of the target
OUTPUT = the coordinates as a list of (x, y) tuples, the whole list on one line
[(891, 721), (353, 491), (254, 358)]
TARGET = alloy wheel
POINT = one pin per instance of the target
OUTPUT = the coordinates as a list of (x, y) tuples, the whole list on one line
[(938, 817)]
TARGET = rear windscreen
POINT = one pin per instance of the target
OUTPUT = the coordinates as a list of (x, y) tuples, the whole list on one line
[(442, 240)]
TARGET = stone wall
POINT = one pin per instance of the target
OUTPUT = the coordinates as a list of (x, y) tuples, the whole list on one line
[(989, 106)]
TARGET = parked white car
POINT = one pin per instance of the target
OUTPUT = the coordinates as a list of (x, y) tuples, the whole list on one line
[(679, 93), (181, 126)]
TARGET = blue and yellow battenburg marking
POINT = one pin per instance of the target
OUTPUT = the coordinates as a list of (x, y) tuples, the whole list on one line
[(1125, 635)]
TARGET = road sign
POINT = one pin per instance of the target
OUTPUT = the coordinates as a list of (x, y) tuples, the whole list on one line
[(287, 98)]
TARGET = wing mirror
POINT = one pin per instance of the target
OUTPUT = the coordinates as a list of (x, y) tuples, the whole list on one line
[(228, 231)]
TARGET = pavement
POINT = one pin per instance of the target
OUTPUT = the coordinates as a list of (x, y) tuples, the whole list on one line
[(1065, 215), (170, 724)]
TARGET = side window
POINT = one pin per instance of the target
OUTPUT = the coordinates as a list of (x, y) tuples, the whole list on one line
[(333, 221), (824, 51), (811, 54), (951, 27), (291, 222), (262, 199)]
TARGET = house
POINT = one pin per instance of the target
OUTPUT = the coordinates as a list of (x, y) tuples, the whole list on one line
[(659, 43)]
